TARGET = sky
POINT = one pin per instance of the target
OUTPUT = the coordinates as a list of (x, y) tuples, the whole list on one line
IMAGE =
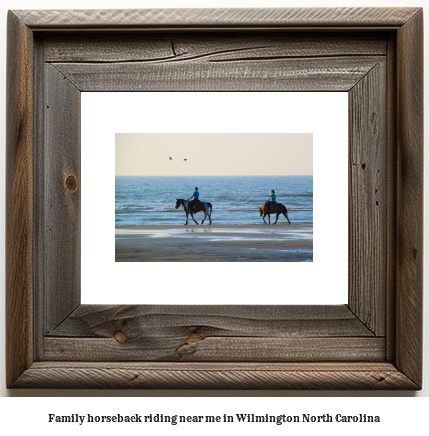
[(213, 154)]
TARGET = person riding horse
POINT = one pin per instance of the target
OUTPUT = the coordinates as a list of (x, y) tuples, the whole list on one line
[(271, 200), (194, 197), (201, 206), (272, 207)]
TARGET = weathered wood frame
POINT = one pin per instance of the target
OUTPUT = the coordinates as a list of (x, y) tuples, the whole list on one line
[(373, 342)]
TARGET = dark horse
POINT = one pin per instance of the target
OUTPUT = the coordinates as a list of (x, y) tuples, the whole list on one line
[(276, 208), (201, 206)]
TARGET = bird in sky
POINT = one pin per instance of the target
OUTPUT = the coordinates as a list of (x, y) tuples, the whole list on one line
[(170, 158), (185, 160)]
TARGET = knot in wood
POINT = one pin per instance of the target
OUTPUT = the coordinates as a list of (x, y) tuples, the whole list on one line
[(120, 337), (71, 183), (193, 338)]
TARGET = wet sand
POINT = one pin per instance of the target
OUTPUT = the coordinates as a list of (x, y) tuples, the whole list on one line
[(215, 243)]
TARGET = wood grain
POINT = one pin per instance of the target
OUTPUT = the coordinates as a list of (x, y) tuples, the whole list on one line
[(379, 376), (410, 199), (224, 47), (39, 201), (193, 348), (61, 187), (330, 74), (290, 18), (213, 333), (19, 200), (99, 321), (368, 202)]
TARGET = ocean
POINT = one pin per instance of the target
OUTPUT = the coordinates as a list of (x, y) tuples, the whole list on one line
[(150, 200)]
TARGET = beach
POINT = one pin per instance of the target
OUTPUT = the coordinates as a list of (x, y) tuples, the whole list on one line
[(215, 243)]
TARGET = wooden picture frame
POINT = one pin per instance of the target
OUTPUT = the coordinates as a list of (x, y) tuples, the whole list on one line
[(373, 342)]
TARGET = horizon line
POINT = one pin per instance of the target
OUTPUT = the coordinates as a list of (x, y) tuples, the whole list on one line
[(213, 175)]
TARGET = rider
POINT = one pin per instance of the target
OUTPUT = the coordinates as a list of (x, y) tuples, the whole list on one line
[(271, 200), (194, 197)]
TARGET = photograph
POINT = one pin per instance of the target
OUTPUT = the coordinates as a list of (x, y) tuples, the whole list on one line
[(216, 197)]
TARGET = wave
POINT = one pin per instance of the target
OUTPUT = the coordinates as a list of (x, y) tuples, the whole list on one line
[(119, 209), (256, 209), (305, 194), (164, 209)]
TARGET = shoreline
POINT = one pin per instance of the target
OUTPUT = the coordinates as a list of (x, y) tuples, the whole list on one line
[(214, 226), (215, 243)]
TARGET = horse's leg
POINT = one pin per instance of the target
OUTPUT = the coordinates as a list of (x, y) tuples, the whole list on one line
[(269, 221), (285, 214), (210, 216), (277, 217), (192, 216), (205, 215), (186, 218)]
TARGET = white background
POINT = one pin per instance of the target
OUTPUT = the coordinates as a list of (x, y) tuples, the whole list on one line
[(324, 114), (400, 413)]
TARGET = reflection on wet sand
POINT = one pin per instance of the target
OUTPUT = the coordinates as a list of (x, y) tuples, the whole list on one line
[(254, 243)]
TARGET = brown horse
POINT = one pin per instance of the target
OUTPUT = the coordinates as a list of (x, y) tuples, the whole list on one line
[(276, 208), (201, 206)]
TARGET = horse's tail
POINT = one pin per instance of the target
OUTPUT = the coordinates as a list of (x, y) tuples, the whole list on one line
[(210, 207)]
